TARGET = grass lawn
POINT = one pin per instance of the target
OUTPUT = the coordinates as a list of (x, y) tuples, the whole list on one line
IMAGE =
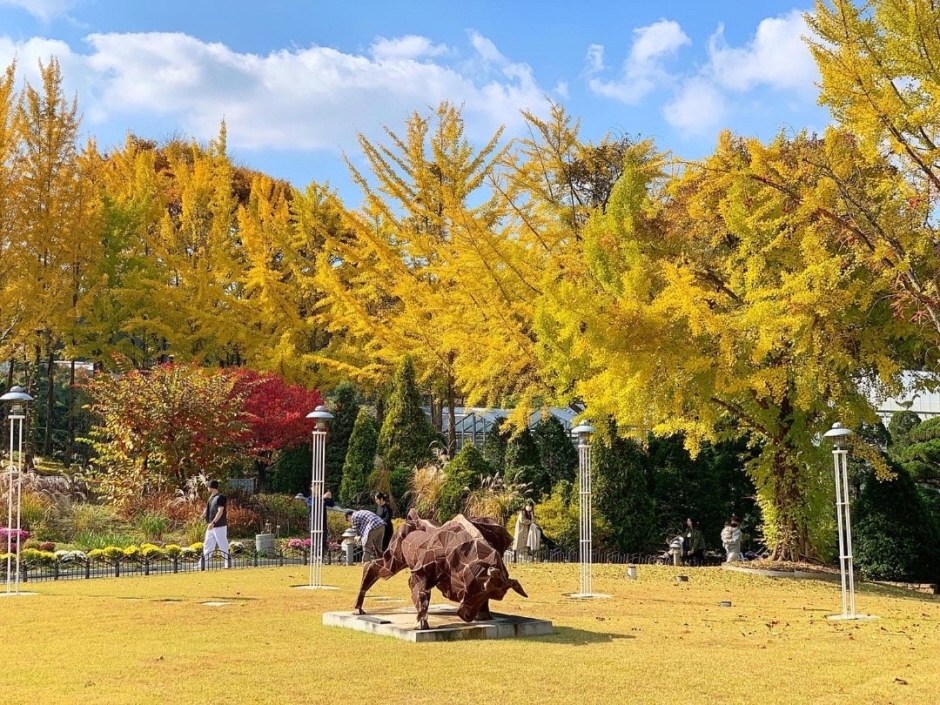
[(150, 640)]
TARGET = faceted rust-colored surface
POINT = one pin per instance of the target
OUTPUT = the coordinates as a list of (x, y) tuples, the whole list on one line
[(463, 558)]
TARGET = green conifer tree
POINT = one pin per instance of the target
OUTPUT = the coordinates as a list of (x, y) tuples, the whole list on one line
[(406, 434), (360, 459)]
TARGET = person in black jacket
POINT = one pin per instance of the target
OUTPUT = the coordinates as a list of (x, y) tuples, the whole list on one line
[(385, 513)]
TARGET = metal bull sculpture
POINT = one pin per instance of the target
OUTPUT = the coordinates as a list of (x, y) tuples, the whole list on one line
[(463, 558)]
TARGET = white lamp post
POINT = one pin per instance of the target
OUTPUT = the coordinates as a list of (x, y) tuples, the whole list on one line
[(584, 431), (18, 400), (317, 487), (840, 458)]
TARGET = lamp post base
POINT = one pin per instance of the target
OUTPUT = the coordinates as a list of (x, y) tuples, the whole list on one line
[(851, 617), (315, 587), (587, 595), (17, 594)]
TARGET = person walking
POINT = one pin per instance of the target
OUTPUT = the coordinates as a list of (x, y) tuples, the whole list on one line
[(216, 524), (385, 513), (370, 528), (524, 521), (694, 544), (731, 540)]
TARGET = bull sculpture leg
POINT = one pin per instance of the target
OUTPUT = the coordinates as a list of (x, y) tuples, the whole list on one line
[(421, 596), (388, 564), (371, 572)]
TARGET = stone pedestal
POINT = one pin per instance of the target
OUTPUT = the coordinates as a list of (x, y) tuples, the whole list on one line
[(444, 623)]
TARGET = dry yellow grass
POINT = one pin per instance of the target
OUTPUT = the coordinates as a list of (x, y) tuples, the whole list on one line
[(150, 640)]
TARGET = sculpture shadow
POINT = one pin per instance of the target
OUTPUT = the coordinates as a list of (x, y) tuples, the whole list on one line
[(578, 637)]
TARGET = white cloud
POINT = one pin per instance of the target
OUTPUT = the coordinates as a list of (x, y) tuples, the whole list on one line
[(698, 107), (44, 10), (777, 57), (410, 46), (643, 70), (308, 98)]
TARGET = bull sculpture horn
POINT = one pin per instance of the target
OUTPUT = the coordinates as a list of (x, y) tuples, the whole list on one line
[(514, 584)]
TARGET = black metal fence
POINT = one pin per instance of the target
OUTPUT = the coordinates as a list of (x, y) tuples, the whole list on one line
[(113, 568)]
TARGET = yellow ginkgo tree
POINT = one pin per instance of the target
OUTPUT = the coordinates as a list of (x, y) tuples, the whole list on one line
[(715, 303)]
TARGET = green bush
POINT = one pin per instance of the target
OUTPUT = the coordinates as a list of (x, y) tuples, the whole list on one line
[(87, 540), (558, 517), (894, 535), (282, 510), (92, 519), (153, 525), (464, 473)]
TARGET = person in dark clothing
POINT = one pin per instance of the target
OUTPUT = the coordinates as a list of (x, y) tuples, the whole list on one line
[(327, 503), (694, 544), (385, 513), (216, 523)]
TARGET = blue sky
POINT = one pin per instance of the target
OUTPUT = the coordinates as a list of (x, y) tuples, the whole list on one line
[(296, 80)]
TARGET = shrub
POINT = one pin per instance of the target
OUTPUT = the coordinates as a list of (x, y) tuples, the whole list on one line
[(88, 541), (67, 557), (236, 548), (336, 524), (151, 552), (112, 553), (426, 485), (894, 536), (463, 473), (282, 510), (194, 531), (173, 550), (558, 517), (47, 546), (31, 557), (153, 525), (33, 508), (92, 519), (242, 522)]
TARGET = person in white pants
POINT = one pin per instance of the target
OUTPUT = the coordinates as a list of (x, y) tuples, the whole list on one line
[(217, 526)]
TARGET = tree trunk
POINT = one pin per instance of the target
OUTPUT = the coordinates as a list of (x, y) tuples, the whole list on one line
[(10, 370), (70, 444), (452, 418), (50, 404), (789, 499)]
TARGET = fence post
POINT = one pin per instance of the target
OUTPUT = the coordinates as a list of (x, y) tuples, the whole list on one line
[(87, 569), (176, 564), (117, 569), (146, 567), (55, 569)]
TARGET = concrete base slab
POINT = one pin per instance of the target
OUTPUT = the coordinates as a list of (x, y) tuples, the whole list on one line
[(444, 622), (314, 587), (17, 594), (588, 595)]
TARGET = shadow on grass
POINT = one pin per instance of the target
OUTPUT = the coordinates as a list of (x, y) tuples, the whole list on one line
[(578, 637)]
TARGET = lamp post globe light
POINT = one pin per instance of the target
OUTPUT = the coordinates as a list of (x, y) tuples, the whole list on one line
[(584, 431), (840, 459), (18, 399), (321, 417)]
